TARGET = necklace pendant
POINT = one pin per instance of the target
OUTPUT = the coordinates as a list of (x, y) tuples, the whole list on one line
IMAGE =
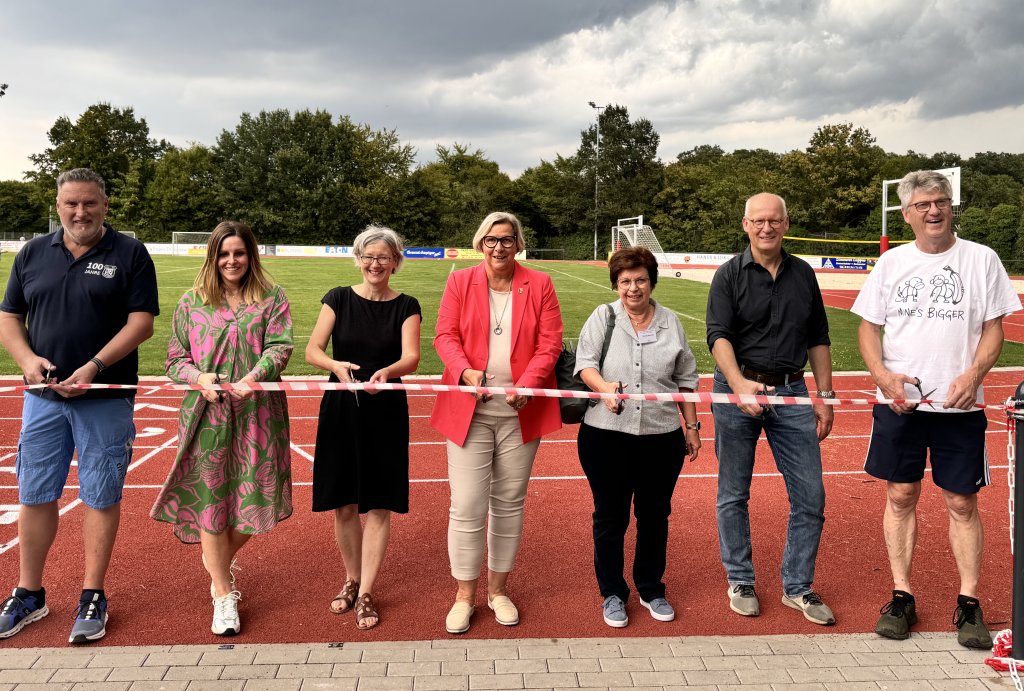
[(497, 330)]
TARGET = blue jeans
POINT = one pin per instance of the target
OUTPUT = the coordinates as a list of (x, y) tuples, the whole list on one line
[(792, 436)]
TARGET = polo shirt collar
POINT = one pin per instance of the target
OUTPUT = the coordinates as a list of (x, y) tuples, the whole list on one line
[(106, 242)]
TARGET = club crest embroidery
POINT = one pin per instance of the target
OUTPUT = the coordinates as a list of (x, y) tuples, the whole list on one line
[(108, 271)]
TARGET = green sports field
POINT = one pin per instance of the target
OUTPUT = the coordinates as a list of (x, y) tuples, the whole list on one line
[(580, 288)]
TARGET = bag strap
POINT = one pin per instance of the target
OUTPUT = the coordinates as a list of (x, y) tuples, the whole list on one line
[(607, 334)]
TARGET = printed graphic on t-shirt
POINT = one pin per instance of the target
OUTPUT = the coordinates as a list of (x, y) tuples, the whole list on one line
[(947, 289)]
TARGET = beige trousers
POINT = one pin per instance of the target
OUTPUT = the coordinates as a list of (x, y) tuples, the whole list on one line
[(488, 477)]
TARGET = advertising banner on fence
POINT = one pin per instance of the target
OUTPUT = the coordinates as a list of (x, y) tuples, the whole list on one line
[(424, 253), (313, 251), (461, 253)]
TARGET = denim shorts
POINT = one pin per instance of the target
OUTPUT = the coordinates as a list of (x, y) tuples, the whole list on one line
[(101, 430), (953, 442)]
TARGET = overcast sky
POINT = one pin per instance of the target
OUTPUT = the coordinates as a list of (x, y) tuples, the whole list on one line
[(514, 78)]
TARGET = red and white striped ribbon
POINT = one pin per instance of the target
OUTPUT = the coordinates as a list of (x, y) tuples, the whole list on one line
[(306, 385)]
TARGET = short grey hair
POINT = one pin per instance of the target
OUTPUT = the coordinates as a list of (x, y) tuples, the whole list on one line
[(82, 175), (746, 205), (497, 218), (922, 180), (374, 233)]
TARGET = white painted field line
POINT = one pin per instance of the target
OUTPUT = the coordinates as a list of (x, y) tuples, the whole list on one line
[(608, 288), (13, 543)]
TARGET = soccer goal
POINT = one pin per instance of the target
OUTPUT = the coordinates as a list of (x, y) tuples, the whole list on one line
[(632, 232), (189, 243)]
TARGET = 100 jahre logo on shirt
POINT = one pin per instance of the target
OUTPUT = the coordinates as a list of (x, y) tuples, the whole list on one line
[(97, 269)]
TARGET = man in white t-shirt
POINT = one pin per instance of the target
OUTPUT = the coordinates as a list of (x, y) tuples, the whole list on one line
[(940, 302)]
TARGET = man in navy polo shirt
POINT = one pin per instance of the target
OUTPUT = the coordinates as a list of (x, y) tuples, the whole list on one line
[(78, 304)]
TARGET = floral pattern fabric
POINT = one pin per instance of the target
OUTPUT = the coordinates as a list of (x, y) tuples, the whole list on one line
[(233, 467)]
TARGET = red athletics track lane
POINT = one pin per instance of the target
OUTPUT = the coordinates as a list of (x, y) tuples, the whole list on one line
[(1013, 325), (159, 591)]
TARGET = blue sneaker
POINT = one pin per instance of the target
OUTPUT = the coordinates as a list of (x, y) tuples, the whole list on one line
[(614, 610), (91, 622), (18, 612)]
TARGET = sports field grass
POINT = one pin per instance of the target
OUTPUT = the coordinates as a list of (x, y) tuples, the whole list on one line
[(580, 288)]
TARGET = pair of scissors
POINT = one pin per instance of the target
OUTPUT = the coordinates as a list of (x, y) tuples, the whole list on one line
[(48, 378), (921, 394)]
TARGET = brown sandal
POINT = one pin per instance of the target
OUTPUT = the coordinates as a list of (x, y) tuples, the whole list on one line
[(365, 609), (346, 599)]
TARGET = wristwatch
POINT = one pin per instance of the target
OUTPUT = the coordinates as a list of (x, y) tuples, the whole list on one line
[(693, 425), (825, 394)]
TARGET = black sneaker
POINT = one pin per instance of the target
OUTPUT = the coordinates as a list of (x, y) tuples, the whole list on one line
[(898, 615), (972, 632)]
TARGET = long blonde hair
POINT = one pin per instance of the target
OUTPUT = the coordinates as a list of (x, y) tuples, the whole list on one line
[(208, 283)]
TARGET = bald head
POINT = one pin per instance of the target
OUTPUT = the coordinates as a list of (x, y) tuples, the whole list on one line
[(762, 200)]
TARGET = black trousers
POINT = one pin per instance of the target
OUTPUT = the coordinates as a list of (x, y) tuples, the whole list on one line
[(628, 470)]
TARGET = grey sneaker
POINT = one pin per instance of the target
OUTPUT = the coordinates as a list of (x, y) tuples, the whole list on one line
[(615, 612), (91, 621), (743, 600), (813, 608), (660, 609)]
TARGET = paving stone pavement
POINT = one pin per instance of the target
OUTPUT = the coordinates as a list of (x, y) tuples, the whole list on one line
[(825, 662)]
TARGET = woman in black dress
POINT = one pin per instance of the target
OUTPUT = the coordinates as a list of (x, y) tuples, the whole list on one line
[(361, 463)]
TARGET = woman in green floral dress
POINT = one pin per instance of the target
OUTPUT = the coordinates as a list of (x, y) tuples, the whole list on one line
[(232, 475)]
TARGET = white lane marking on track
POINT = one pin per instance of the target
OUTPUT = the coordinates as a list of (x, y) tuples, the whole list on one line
[(304, 454), (13, 543), (608, 288)]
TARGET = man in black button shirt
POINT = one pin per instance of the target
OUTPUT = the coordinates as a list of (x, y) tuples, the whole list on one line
[(765, 320), (78, 304)]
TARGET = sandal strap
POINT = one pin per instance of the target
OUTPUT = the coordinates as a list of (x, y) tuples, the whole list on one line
[(365, 606)]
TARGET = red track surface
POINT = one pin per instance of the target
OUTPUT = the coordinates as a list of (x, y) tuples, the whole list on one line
[(159, 591), (1013, 325)]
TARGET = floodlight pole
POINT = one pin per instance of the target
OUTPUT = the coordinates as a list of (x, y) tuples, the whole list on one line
[(597, 161)]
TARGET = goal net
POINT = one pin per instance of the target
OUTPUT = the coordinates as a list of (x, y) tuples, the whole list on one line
[(632, 232), (189, 243)]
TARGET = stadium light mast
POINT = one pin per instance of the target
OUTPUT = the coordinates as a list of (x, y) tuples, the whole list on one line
[(597, 160)]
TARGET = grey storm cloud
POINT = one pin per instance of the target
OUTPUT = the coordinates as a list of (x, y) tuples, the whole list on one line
[(514, 79)]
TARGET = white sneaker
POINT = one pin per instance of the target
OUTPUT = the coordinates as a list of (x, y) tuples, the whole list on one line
[(225, 614)]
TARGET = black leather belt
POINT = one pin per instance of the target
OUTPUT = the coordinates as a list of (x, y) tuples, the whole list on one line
[(771, 378)]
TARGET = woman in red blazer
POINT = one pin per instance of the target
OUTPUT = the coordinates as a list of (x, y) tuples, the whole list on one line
[(499, 325)]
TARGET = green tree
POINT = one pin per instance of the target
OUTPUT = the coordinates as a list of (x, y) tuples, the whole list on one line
[(305, 179), (843, 176), (974, 225), (21, 212), (105, 139), (1003, 223), (466, 186), (629, 172), (183, 194), (556, 201)]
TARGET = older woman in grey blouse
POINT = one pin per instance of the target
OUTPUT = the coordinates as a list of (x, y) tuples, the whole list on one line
[(632, 451)]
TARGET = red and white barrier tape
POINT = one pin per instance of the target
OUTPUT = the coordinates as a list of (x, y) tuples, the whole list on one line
[(695, 397)]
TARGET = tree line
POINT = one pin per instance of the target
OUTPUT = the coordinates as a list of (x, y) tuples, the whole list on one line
[(311, 178)]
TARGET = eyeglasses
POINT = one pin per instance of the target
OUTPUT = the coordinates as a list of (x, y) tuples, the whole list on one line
[(921, 395), (940, 204), (368, 259), (758, 223), (490, 241), (625, 283)]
